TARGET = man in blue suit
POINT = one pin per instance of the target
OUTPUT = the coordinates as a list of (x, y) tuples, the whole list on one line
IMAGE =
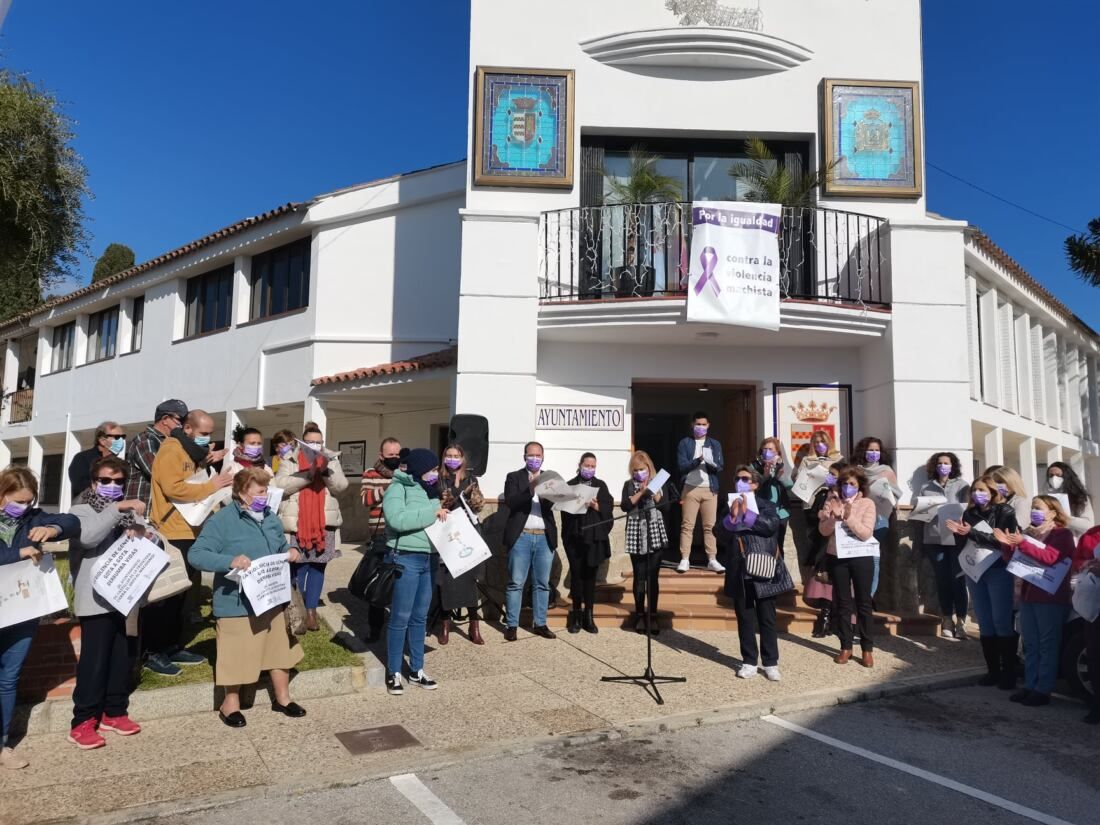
[(699, 458)]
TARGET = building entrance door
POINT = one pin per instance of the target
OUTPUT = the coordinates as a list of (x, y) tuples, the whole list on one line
[(662, 417)]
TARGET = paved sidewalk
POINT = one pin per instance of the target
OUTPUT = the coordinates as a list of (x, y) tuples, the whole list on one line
[(500, 696)]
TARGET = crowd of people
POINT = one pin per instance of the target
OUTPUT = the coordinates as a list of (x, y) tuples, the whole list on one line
[(141, 488)]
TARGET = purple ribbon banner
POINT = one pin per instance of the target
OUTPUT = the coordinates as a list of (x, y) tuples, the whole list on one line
[(709, 260), (734, 219)]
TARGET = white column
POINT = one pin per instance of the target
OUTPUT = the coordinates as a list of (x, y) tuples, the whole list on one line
[(242, 294), (34, 456), (11, 373), (1054, 454), (5, 455), (314, 410), (1077, 462), (994, 447), (1028, 469), (232, 419), (72, 447)]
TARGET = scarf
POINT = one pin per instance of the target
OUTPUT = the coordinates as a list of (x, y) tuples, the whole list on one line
[(311, 508), (382, 469), (242, 459), (196, 453), (99, 503), (645, 527), (9, 527)]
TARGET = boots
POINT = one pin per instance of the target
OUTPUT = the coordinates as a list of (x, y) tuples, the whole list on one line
[(444, 631), (821, 624), (573, 623), (589, 621), (475, 632), (992, 661), (311, 620), (1007, 647)]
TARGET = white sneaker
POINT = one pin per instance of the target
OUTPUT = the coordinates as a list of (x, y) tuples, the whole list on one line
[(715, 566), (947, 630), (771, 673), (746, 671), (683, 566), (960, 630)]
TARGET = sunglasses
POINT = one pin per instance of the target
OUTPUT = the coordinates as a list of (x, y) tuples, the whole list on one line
[(745, 478), (114, 435), (108, 480)]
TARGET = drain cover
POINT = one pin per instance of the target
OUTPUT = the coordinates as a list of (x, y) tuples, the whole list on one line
[(373, 740)]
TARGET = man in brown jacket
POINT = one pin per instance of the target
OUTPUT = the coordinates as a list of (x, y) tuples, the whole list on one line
[(181, 455)]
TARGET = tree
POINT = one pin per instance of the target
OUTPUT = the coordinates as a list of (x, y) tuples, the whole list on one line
[(768, 181), (42, 184), (115, 258), (1083, 253), (643, 184)]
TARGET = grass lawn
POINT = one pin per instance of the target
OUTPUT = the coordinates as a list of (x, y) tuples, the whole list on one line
[(320, 648)]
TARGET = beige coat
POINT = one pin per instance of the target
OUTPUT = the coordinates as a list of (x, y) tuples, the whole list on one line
[(292, 482)]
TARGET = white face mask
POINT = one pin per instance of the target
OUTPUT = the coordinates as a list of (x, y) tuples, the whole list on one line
[(1055, 482)]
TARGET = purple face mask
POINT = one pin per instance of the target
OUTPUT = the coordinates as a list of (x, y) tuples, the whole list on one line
[(258, 504), (452, 463), (111, 492), (699, 430), (821, 448), (14, 510), (252, 450), (587, 473), (1038, 517), (943, 470), (1003, 490), (641, 475), (848, 490), (534, 463), (429, 478), (981, 498), (873, 456), (743, 486), (285, 450), (830, 480), (768, 453)]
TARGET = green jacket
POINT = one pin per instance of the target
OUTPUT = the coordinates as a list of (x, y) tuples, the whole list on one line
[(229, 533), (408, 510)]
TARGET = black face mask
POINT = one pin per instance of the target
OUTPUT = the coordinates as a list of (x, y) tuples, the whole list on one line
[(391, 463)]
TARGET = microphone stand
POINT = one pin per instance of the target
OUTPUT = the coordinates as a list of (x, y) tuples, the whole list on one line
[(647, 680)]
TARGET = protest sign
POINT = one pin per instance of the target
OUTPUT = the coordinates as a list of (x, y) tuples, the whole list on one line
[(124, 574), (461, 548), (1034, 572), (30, 591), (850, 547), (809, 481), (975, 560), (578, 505), (266, 582)]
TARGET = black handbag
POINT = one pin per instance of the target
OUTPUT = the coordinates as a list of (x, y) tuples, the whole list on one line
[(373, 578), (760, 565), (780, 583)]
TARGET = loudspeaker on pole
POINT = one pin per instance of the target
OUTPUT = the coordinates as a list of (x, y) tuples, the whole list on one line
[(472, 432)]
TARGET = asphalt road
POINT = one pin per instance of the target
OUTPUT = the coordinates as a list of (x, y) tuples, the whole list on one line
[(757, 773)]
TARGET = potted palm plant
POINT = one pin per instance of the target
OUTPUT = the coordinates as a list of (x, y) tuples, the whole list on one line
[(643, 185)]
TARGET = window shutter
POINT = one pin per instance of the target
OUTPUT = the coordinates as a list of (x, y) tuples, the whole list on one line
[(1007, 344), (973, 340), (1038, 385)]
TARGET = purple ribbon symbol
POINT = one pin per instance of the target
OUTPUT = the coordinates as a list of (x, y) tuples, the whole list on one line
[(709, 260)]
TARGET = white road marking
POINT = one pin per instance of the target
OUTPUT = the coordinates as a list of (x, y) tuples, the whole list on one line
[(425, 801), (928, 776)]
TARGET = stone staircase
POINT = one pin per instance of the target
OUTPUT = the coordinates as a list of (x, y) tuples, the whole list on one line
[(695, 601)]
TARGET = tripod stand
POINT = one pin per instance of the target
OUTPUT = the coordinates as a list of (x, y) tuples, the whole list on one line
[(647, 680)]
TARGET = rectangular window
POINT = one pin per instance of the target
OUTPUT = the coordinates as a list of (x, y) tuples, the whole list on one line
[(63, 338), (137, 320), (280, 280), (209, 302), (102, 335)]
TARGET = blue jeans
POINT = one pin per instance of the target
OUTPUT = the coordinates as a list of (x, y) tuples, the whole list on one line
[(992, 598), (1041, 628), (882, 532), (15, 642), (412, 595), (529, 551), (309, 578)]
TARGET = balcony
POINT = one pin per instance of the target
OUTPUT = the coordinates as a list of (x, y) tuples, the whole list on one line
[(22, 405), (641, 251)]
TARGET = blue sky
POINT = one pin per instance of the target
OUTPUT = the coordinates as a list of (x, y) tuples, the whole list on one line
[(193, 115)]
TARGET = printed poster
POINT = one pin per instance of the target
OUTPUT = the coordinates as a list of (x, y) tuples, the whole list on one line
[(30, 591), (734, 264), (126, 571)]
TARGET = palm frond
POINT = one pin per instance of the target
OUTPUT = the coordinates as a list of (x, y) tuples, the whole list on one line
[(644, 184), (765, 180)]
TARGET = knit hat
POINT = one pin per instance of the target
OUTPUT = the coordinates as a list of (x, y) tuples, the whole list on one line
[(419, 461)]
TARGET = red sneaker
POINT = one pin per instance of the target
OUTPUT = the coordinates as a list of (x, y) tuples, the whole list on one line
[(122, 725), (84, 736)]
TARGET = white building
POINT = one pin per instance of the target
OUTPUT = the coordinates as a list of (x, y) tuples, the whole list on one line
[(511, 292)]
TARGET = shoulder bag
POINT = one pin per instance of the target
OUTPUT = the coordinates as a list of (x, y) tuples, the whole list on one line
[(760, 565)]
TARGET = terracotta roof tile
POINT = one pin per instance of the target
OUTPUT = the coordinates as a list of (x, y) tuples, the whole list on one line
[(205, 240), (431, 361)]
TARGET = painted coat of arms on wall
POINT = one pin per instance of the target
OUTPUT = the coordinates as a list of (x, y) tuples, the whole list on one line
[(802, 409), (523, 127), (872, 133)]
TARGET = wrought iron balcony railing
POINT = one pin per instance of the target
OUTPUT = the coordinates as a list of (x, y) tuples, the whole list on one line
[(22, 405), (642, 250)]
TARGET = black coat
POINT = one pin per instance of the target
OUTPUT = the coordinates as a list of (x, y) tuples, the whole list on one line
[(816, 544), (587, 538), (997, 516), (735, 543), (80, 470), (518, 498)]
